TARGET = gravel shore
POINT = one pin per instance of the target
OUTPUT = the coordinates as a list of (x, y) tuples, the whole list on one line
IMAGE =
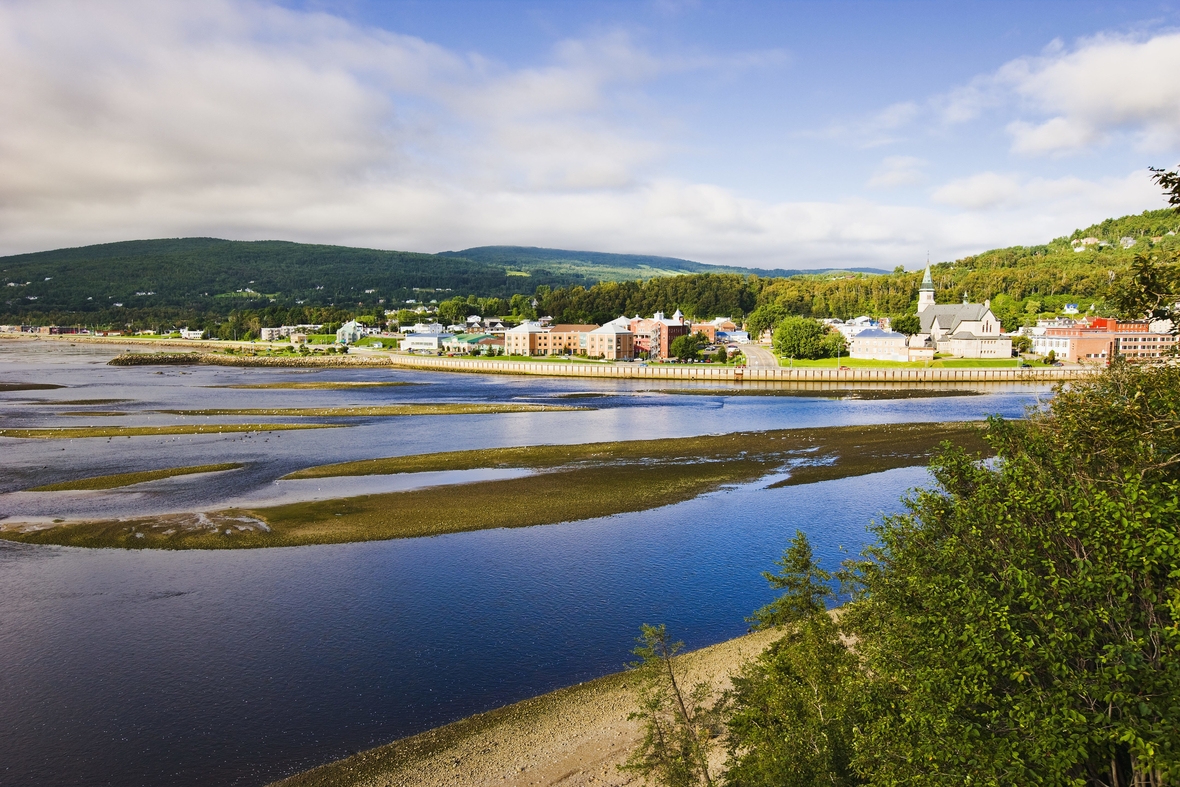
[(571, 737)]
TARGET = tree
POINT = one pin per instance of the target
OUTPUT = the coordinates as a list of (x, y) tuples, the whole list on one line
[(800, 337), (791, 725), (909, 324), (1170, 183), (687, 347), (721, 356), (1019, 625), (765, 318), (805, 583), (677, 725), (834, 344)]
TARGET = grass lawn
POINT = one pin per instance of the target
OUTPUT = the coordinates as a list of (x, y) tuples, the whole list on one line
[(860, 363)]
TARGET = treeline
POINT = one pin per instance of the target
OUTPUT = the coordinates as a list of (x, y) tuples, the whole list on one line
[(1019, 624)]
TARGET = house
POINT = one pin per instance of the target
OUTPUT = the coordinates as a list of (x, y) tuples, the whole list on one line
[(966, 330), (185, 333), (612, 342), (429, 327), (850, 328), (351, 331), (733, 337), (425, 342), (874, 344)]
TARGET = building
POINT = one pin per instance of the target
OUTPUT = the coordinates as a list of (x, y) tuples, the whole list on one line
[(1099, 339), (278, 334), (351, 331), (427, 327), (185, 333), (655, 335), (612, 342), (425, 342), (523, 339), (966, 330), (874, 344), (532, 338), (851, 328)]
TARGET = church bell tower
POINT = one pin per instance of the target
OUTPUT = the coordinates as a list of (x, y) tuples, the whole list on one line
[(926, 291)]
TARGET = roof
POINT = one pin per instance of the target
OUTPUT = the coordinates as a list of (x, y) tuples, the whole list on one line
[(927, 281), (611, 328), (573, 328), (877, 333), (528, 327), (950, 315)]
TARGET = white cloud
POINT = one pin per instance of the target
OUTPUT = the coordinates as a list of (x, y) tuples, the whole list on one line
[(247, 120), (895, 171), (1105, 87)]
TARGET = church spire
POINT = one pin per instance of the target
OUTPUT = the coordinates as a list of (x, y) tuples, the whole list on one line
[(926, 291)]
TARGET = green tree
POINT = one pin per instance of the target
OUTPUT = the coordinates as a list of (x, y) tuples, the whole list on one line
[(834, 344), (1170, 183), (721, 356), (677, 724), (764, 318), (790, 724), (687, 347), (909, 324), (800, 337), (1021, 623)]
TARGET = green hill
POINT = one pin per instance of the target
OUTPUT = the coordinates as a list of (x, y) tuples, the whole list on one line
[(600, 266), (187, 277)]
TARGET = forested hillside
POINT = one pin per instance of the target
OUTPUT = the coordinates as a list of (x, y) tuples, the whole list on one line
[(236, 287), (597, 266), (1022, 282)]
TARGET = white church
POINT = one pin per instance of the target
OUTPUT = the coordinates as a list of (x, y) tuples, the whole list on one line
[(966, 330)]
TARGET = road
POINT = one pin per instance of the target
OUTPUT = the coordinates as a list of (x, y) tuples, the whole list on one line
[(759, 357)]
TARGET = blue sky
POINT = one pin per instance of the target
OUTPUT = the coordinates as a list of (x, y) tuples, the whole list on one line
[(763, 134)]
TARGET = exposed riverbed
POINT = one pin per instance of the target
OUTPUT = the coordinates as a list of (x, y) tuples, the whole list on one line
[(219, 668)]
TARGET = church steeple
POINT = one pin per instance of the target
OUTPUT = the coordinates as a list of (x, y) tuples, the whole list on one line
[(926, 291)]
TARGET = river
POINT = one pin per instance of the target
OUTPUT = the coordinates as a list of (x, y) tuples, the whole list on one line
[(240, 667)]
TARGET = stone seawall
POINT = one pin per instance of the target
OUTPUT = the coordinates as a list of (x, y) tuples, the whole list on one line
[(738, 373), (622, 371)]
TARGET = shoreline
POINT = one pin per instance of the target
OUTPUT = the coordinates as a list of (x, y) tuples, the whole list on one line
[(202, 352), (572, 737)]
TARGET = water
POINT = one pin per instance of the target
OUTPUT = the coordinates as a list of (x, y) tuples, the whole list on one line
[(237, 668)]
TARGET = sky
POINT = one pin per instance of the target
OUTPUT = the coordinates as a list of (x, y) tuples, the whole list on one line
[(763, 134)]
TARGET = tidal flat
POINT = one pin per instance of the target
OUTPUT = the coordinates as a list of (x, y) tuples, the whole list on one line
[(577, 482), (319, 385), (445, 408), (75, 432), (118, 480)]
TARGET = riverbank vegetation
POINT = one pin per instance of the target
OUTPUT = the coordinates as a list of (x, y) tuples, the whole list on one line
[(1018, 624), (854, 450), (75, 432), (573, 483), (388, 410), (128, 479)]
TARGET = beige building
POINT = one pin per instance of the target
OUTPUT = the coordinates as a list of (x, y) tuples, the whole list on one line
[(875, 344), (612, 342), (531, 338)]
